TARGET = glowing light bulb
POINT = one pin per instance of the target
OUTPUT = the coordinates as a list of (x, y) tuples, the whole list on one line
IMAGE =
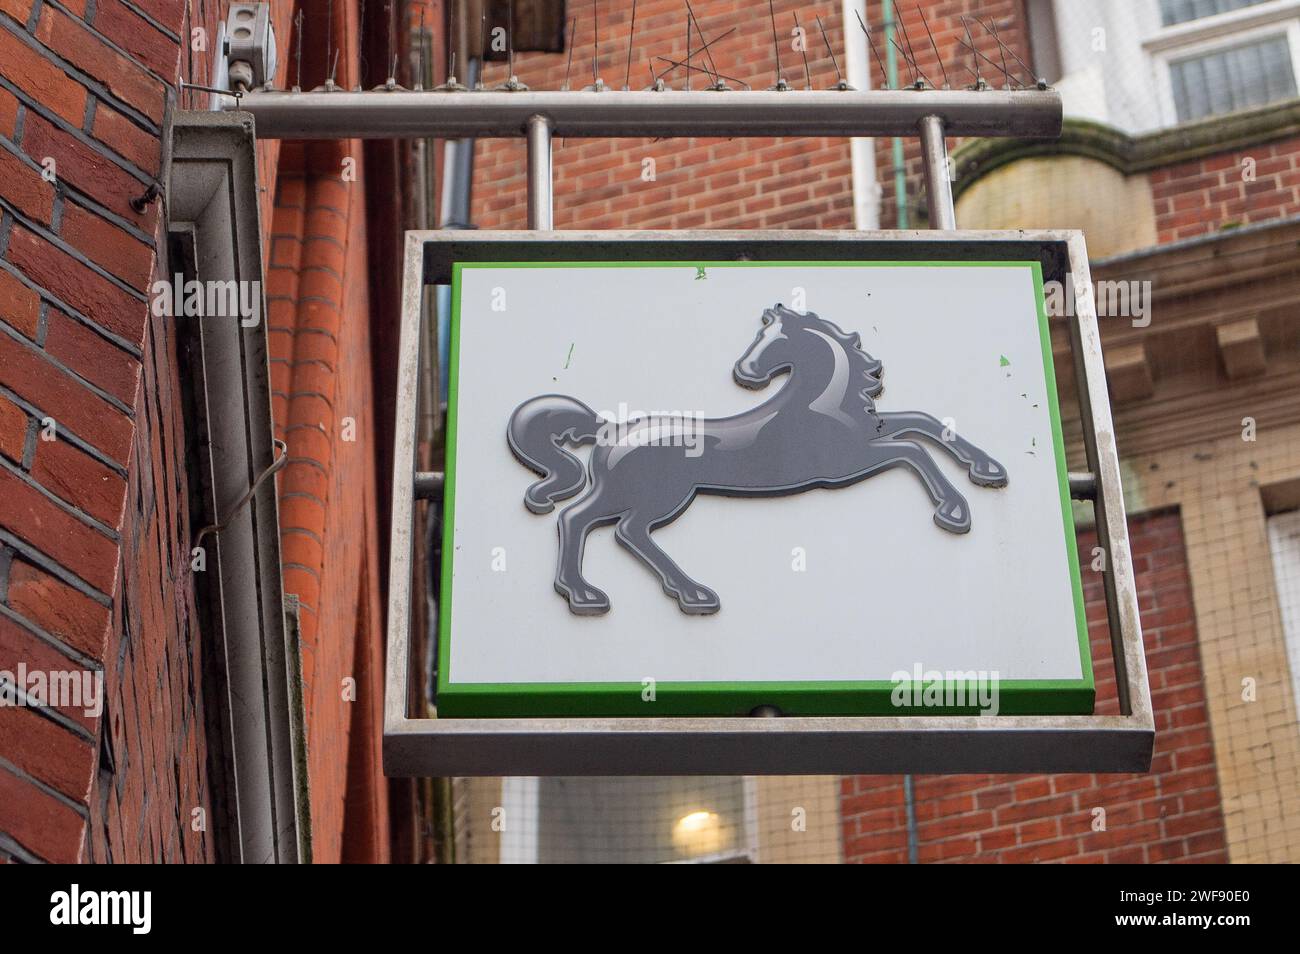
[(698, 833)]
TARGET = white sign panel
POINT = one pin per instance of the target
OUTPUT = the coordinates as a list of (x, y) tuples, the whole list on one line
[(699, 488)]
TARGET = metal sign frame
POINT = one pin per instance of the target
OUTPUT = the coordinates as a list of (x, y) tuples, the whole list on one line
[(781, 745), (786, 745)]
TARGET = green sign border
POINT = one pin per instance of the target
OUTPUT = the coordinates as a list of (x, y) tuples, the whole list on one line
[(822, 698)]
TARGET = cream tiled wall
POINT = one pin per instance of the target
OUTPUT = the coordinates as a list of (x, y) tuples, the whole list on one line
[(1218, 487)]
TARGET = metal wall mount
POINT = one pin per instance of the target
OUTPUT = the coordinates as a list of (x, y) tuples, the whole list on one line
[(782, 745)]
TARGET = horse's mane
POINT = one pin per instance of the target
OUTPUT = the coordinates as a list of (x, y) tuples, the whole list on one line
[(860, 361)]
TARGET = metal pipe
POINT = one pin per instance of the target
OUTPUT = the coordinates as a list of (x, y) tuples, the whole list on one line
[(1083, 486), (913, 835), (938, 185), (901, 219), (539, 173), (428, 484), (488, 114), (862, 152)]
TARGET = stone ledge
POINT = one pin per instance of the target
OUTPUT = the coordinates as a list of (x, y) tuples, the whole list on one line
[(976, 158)]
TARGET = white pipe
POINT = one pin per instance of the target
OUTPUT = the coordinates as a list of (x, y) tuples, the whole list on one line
[(862, 152)]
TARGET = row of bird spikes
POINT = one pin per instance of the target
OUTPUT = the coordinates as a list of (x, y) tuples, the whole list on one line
[(1015, 73)]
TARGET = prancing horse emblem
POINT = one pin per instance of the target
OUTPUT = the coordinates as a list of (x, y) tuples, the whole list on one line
[(821, 430)]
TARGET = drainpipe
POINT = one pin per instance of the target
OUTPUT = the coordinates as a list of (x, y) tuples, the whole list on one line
[(900, 170), (457, 190), (862, 152)]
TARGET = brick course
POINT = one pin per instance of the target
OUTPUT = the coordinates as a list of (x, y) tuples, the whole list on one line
[(1172, 814), (93, 531)]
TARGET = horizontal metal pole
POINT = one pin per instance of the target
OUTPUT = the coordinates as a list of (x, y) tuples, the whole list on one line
[(428, 484), (1083, 486), (381, 114)]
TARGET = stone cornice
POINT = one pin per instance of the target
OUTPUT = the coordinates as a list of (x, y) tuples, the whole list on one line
[(1223, 341), (976, 158)]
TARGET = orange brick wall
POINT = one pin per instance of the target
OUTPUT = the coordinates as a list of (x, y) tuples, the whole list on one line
[(319, 330), (1171, 814)]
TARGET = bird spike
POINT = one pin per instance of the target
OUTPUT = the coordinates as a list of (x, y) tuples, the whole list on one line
[(933, 45), (884, 73), (902, 24), (631, 30), (839, 77), (713, 67)]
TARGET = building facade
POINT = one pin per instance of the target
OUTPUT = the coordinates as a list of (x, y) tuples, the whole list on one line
[(147, 463)]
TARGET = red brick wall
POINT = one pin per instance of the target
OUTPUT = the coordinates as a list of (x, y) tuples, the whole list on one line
[(699, 183), (944, 19), (1226, 190), (93, 531), (1172, 814)]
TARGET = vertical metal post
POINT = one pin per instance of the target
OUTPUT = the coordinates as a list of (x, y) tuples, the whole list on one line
[(540, 206), (938, 199), (938, 185)]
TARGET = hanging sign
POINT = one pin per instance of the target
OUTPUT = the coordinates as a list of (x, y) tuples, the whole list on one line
[(705, 488)]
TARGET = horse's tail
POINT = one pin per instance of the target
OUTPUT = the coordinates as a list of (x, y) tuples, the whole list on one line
[(537, 429)]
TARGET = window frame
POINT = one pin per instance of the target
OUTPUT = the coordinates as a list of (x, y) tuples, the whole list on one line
[(1282, 530), (1213, 34)]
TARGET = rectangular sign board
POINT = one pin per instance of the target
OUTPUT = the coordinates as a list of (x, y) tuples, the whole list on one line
[(701, 488)]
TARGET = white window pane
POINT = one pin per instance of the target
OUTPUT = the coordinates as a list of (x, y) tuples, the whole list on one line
[(1180, 11), (1239, 77), (1284, 541)]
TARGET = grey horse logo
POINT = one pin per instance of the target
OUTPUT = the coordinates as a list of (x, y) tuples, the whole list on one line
[(821, 430)]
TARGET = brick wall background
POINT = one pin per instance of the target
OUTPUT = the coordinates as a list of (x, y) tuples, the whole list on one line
[(94, 528), (698, 183), (804, 183), (1211, 194), (93, 533), (1172, 814)]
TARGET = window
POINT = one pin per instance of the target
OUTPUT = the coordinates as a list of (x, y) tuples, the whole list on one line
[(1284, 541), (1252, 74), (1213, 57), (629, 820), (1144, 65), (1180, 11)]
